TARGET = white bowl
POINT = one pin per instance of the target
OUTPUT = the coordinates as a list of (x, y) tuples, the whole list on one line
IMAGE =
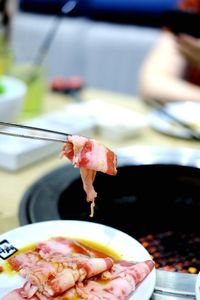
[(12, 98), (126, 246)]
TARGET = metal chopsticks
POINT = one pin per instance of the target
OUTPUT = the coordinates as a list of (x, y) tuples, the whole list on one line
[(190, 130), (33, 132)]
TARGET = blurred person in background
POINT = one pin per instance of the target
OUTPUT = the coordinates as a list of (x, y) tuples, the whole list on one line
[(171, 72)]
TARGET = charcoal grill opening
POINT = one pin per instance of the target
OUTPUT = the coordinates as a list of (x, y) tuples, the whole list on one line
[(157, 204)]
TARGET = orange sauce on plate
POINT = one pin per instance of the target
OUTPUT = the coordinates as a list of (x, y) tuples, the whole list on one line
[(98, 249)]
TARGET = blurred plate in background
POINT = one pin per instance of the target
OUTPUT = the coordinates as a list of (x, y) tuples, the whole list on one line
[(187, 112)]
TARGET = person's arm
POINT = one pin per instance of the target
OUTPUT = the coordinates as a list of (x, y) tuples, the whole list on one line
[(161, 74)]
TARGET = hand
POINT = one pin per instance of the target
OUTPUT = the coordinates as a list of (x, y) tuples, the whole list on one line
[(189, 47)]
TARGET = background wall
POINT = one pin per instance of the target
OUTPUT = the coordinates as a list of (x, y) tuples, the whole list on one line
[(128, 11), (103, 41)]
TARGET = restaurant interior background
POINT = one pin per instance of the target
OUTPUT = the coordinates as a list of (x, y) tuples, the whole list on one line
[(112, 37), (80, 63)]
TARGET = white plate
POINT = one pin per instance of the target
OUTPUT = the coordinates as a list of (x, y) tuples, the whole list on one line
[(125, 245), (112, 121), (197, 287), (188, 112)]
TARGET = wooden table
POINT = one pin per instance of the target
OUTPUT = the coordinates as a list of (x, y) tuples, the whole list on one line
[(14, 184)]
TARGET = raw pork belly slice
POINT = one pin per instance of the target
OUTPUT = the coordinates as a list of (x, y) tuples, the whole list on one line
[(116, 284), (60, 246), (61, 269), (120, 282), (90, 156), (57, 272)]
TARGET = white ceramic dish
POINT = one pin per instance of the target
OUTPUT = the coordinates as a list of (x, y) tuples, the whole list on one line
[(187, 112), (197, 287), (125, 245), (112, 121), (12, 99)]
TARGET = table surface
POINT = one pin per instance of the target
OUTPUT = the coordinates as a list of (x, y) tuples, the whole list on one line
[(14, 184)]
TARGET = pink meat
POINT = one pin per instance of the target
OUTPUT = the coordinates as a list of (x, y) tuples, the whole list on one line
[(63, 269), (138, 270), (58, 271), (60, 246), (88, 177), (24, 260), (89, 154), (120, 283), (90, 157)]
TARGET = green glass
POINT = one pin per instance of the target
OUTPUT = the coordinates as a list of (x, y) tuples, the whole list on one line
[(5, 59), (34, 78)]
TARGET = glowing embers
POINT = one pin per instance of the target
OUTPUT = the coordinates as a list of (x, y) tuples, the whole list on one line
[(173, 251)]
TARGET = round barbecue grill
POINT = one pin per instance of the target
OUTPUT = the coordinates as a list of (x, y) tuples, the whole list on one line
[(155, 198)]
